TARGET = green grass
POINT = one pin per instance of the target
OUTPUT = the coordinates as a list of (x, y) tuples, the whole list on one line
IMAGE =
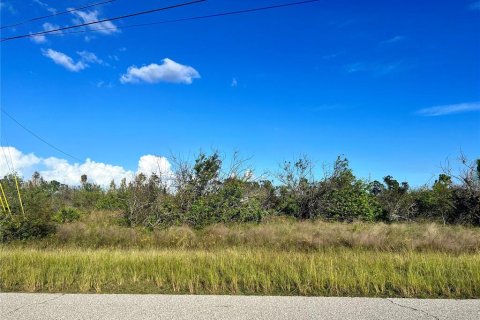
[(342, 272)]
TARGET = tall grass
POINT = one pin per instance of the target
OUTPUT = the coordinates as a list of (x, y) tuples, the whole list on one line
[(241, 271), (100, 230)]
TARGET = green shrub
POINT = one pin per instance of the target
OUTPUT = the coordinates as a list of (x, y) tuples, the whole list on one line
[(67, 215), (15, 228), (30, 219)]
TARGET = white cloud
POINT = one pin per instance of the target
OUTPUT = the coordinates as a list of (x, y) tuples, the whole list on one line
[(89, 57), (41, 38), (64, 60), (449, 109), (151, 164), (91, 16), (97, 172), (38, 38), (61, 170), (234, 83), (168, 71), (68, 63), (12, 159)]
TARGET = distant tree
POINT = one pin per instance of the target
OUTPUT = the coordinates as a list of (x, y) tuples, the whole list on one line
[(206, 172), (344, 197), (443, 197), (396, 201), (296, 194), (377, 188), (466, 190)]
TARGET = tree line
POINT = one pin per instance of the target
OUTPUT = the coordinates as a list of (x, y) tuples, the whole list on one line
[(207, 191)]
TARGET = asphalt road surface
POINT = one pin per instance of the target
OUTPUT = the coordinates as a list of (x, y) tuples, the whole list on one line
[(125, 306)]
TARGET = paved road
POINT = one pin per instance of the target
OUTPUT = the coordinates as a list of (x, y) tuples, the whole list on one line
[(106, 306)]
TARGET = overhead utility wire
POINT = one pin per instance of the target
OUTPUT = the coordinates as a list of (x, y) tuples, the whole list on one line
[(90, 5), (103, 20), (196, 17), (38, 137)]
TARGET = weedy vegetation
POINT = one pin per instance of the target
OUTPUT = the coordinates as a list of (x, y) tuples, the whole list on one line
[(206, 229), (350, 272)]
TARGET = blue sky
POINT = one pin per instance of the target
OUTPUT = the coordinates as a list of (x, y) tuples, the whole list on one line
[(392, 85)]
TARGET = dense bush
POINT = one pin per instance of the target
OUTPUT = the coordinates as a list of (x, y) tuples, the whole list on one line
[(67, 215), (204, 192), (35, 220), (346, 198), (21, 229), (200, 197)]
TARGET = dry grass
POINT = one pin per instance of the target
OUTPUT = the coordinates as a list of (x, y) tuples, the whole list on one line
[(101, 230), (283, 257)]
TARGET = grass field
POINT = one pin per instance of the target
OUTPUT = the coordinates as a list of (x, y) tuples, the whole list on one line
[(279, 257), (343, 272)]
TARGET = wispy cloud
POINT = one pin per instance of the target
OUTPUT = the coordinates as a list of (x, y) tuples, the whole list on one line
[(46, 6), (332, 55), (475, 5), (60, 58), (38, 38), (393, 40), (449, 109), (47, 26), (63, 60), (168, 71), (89, 57), (375, 68), (91, 16), (103, 84), (234, 83)]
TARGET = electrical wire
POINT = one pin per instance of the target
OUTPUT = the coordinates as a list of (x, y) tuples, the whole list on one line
[(103, 20), (213, 15), (90, 5), (38, 137)]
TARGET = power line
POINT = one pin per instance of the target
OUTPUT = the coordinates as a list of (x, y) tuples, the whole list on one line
[(103, 20), (213, 15), (196, 17), (38, 137), (90, 5)]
